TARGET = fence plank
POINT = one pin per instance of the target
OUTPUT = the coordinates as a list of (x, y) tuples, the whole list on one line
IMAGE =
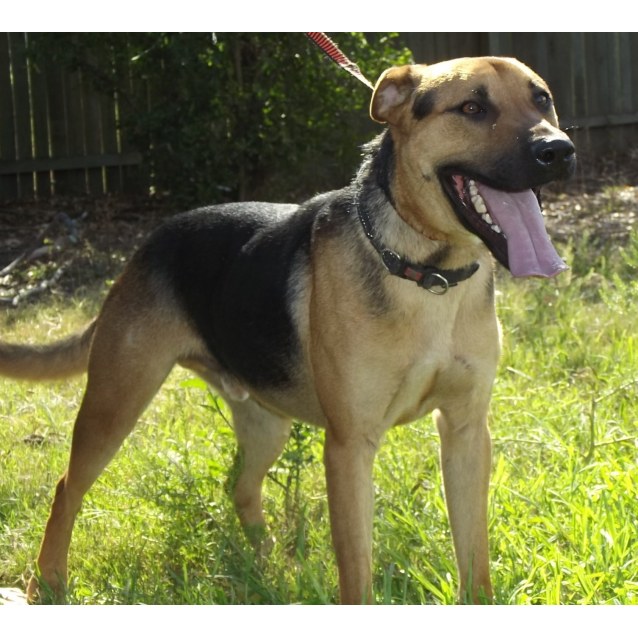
[(40, 122), (559, 73), (625, 72), (542, 54), (110, 123), (21, 110), (76, 180), (500, 44), (93, 136), (632, 63), (429, 48), (66, 136), (578, 106), (8, 183), (56, 103)]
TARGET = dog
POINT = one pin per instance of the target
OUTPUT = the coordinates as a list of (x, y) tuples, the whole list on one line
[(358, 310)]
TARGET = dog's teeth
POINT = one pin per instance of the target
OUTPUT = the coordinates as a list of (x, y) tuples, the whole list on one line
[(496, 228), (481, 208), (487, 218), (477, 201)]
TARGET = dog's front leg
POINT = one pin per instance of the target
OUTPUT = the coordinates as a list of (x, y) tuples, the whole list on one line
[(466, 460), (348, 461)]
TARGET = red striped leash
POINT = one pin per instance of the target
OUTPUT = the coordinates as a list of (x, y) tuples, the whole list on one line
[(338, 57)]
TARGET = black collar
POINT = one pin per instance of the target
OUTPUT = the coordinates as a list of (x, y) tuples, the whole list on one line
[(433, 279)]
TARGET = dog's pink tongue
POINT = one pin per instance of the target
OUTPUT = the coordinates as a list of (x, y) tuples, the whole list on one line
[(529, 248)]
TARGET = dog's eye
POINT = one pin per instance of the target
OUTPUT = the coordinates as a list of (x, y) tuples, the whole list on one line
[(471, 108), (542, 99)]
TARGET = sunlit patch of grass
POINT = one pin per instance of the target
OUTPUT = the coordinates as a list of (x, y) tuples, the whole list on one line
[(159, 527)]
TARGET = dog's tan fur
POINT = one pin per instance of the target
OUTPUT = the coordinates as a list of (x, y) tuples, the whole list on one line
[(361, 371)]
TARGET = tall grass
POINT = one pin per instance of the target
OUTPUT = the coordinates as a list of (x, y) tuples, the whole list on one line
[(158, 527)]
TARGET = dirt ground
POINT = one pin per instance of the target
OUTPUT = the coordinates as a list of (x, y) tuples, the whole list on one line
[(63, 244), (68, 243)]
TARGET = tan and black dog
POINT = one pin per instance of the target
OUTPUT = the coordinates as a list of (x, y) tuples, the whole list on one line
[(358, 310)]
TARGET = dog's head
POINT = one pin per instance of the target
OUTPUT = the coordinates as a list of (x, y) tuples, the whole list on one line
[(478, 137)]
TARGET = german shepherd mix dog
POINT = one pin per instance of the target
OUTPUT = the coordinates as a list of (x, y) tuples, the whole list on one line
[(357, 310)]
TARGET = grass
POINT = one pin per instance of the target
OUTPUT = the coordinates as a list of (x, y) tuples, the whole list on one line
[(159, 527)]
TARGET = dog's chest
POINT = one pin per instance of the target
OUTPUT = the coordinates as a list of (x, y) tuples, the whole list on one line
[(425, 385), (439, 357)]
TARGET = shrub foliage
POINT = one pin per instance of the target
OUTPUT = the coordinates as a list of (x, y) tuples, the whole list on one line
[(229, 116)]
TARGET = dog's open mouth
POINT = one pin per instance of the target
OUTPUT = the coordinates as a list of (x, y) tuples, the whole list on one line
[(509, 223)]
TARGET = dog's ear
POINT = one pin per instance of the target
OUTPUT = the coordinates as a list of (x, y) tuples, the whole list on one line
[(392, 91)]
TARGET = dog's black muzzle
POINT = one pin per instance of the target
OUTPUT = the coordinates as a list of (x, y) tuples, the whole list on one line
[(554, 158), (537, 161)]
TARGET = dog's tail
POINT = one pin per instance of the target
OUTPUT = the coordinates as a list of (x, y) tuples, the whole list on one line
[(57, 360)]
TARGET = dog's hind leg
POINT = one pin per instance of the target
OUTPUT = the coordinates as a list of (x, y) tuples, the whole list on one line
[(130, 357), (465, 460), (261, 437)]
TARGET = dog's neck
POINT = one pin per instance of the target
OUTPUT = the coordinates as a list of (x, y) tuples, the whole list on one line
[(405, 251), (382, 169), (382, 165)]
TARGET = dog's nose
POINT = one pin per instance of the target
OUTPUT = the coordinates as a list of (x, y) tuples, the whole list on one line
[(553, 153)]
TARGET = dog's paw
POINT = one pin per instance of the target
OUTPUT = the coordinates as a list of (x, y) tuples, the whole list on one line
[(39, 592), (260, 539)]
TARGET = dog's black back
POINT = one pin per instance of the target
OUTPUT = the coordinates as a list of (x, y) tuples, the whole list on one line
[(229, 267)]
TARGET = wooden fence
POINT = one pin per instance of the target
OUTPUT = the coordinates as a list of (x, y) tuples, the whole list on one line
[(57, 136)]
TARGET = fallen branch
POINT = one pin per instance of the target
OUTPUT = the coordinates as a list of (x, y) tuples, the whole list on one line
[(67, 236), (39, 288), (37, 250)]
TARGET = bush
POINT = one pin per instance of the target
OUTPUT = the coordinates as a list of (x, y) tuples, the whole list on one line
[(232, 116)]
